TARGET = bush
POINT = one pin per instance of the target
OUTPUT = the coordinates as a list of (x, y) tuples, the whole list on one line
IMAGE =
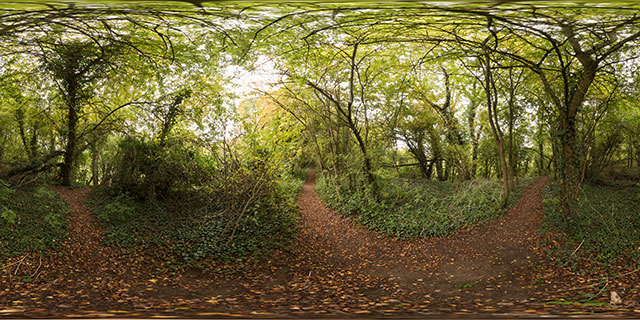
[(225, 210), (415, 208), (606, 218), (32, 218), (149, 170)]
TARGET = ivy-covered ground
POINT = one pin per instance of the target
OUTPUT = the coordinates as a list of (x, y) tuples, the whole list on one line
[(601, 252), (605, 227), (32, 219), (418, 208), (179, 235)]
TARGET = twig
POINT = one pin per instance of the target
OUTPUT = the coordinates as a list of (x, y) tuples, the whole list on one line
[(578, 248), (19, 264), (38, 269), (48, 284), (9, 265), (628, 273), (601, 290), (576, 288)]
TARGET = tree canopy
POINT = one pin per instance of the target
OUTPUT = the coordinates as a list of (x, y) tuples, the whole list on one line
[(454, 91)]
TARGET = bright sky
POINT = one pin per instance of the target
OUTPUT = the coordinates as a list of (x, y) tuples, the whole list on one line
[(245, 82)]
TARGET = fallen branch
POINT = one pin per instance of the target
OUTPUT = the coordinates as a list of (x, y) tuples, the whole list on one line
[(36, 166)]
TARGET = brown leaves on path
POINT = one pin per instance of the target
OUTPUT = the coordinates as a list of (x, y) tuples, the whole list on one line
[(82, 273), (486, 252)]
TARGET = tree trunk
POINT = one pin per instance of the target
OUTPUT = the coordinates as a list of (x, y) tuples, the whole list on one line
[(94, 167), (72, 122), (474, 158), (511, 164), (20, 118), (570, 163), (67, 166), (430, 169), (33, 145), (367, 161), (418, 152), (491, 96), (439, 169), (540, 150)]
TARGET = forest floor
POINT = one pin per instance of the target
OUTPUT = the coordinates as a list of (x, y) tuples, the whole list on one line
[(335, 269)]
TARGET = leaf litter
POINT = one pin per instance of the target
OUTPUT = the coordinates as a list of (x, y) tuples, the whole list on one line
[(335, 269)]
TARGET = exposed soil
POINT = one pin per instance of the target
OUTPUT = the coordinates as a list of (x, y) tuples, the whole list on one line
[(336, 269)]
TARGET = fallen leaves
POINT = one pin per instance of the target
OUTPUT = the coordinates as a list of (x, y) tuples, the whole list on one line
[(335, 268)]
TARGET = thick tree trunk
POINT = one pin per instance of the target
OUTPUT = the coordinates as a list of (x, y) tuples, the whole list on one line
[(439, 169), (570, 162), (474, 158), (511, 164), (430, 169), (33, 144), (418, 152), (540, 163), (505, 172), (446, 171), (367, 161), (424, 166)]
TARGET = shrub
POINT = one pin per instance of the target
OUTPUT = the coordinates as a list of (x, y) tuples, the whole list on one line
[(149, 170), (224, 210)]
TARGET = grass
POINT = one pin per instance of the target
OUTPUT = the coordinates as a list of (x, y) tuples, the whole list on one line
[(417, 208), (32, 218), (194, 231), (579, 303), (607, 219)]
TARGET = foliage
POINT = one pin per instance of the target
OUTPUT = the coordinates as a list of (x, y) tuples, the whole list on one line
[(606, 219), (416, 208), (31, 218), (8, 215), (144, 169), (204, 210)]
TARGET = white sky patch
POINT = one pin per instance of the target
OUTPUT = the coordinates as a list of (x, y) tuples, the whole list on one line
[(247, 82)]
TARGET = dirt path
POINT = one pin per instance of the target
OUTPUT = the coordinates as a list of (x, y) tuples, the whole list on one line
[(500, 248), (84, 245), (79, 275)]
